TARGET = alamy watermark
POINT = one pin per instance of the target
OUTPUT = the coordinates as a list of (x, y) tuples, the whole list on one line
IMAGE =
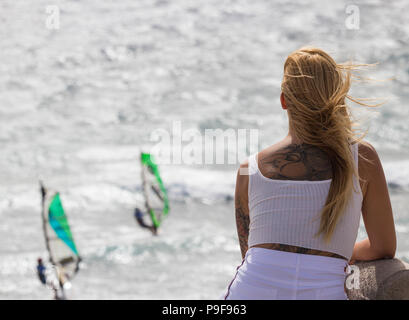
[(352, 21), (52, 21), (211, 146), (352, 278)]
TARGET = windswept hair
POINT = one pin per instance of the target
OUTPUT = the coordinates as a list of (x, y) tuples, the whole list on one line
[(315, 88)]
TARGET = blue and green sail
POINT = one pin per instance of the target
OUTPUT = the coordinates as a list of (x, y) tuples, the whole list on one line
[(59, 240), (156, 196), (59, 223)]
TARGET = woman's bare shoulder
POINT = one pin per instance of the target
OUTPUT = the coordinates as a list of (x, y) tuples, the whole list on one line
[(369, 165), (366, 148), (244, 165), (368, 157)]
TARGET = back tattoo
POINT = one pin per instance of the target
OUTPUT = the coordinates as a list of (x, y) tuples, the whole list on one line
[(297, 162)]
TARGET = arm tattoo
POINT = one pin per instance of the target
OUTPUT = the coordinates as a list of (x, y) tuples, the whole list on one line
[(243, 222), (297, 162)]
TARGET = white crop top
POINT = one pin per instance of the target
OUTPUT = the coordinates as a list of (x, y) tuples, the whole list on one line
[(288, 212)]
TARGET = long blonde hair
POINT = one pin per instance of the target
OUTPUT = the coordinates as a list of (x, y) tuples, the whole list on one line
[(315, 88)]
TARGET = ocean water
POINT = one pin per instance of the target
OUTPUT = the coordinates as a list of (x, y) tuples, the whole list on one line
[(77, 105)]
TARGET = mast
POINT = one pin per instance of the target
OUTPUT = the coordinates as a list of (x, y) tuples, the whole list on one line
[(144, 187), (43, 197)]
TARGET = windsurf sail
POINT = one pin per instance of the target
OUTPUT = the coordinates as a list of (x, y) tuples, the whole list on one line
[(156, 197), (60, 243)]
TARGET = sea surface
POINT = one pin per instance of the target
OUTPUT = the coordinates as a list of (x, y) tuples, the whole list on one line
[(78, 104)]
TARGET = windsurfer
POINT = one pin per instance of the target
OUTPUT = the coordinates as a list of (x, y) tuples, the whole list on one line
[(41, 271), (139, 218)]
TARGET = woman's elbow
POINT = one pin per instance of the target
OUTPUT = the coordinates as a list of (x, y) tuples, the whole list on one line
[(387, 252), (390, 254)]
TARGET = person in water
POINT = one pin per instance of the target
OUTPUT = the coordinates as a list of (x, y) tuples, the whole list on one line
[(299, 201), (139, 218), (41, 271)]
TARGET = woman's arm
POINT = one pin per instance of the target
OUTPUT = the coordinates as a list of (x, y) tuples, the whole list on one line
[(376, 210), (242, 209)]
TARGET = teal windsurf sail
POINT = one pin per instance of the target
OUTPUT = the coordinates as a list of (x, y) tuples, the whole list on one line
[(60, 243), (156, 197)]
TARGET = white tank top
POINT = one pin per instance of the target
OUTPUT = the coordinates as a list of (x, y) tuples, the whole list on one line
[(288, 212)]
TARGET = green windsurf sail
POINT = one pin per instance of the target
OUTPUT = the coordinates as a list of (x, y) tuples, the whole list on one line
[(60, 243), (156, 197)]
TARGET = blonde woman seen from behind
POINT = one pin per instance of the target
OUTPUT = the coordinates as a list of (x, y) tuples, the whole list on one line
[(299, 202)]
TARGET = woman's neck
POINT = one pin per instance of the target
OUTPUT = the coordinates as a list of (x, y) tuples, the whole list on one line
[(291, 136)]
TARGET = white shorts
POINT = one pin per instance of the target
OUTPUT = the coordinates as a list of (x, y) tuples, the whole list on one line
[(278, 275)]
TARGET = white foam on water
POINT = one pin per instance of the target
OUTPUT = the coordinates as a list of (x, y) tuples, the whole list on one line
[(397, 172)]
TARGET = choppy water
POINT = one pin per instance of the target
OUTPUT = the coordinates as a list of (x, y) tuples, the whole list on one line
[(77, 104)]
